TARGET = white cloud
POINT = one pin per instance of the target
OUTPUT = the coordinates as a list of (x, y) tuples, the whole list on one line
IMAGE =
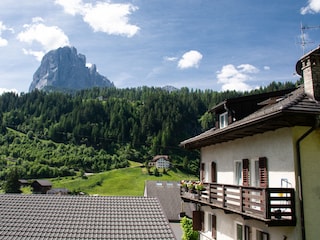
[(49, 37), (71, 6), (37, 54), (4, 42), (170, 59), (235, 78), (110, 18), (312, 7), (266, 68), (190, 59)]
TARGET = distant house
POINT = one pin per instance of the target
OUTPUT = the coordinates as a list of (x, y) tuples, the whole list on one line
[(23, 182), (168, 194), (41, 186), (260, 164), (54, 217), (160, 161)]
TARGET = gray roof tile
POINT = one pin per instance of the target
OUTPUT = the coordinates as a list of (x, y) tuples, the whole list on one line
[(77, 217), (168, 194)]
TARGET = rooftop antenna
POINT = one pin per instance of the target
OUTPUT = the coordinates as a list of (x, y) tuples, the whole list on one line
[(304, 42)]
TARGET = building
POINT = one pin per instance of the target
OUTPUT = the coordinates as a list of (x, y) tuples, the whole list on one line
[(260, 164), (168, 194), (160, 161), (41, 186), (43, 216)]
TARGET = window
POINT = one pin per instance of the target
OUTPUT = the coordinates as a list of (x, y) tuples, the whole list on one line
[(262, 235), (238, 173), (239, 232), (214, 226), (247, 233), (202, 172), (223, 120), (251, 172), (243, 232), (211, 225)]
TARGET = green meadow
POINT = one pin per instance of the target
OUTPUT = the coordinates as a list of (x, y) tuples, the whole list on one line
[(120, 182)]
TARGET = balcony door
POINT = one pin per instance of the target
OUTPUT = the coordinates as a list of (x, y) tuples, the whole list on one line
[(254, 172)]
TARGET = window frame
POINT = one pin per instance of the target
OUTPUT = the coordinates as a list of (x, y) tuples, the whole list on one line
[(261, 235), (237, 225), (223, 120), (210, 225), (238, 174)]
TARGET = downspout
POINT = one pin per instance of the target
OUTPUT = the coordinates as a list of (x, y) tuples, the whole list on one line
[(303, 230)]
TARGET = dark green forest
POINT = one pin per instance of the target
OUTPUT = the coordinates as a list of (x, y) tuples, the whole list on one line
[(51, 134)]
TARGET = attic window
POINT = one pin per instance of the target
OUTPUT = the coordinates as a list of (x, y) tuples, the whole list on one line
[(223, 120)]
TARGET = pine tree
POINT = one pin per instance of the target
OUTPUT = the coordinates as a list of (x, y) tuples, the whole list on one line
[(12, 184)]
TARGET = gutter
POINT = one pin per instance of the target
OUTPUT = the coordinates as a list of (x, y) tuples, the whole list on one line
[(299, 171)]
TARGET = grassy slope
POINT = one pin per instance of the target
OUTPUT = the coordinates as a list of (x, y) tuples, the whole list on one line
[(121, 182)]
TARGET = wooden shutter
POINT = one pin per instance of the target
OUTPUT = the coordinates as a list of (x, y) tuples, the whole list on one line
[(214, 226), (213, 172), (263, 172), (245, 172), (202, 168), (197, 220)]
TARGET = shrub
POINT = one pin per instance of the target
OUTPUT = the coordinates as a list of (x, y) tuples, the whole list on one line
[(188, 232)]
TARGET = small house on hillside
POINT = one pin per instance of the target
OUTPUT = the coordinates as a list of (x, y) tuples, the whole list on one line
[(41, 186), (23, 182), (160, 161)]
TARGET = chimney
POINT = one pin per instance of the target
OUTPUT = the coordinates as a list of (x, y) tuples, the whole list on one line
[(308, 67)]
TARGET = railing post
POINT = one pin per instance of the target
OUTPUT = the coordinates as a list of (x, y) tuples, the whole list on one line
[(293, 206), (241, 199), (209, 192), (223, 196), (267, 209)]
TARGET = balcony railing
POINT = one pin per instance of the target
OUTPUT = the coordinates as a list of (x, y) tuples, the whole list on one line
[(274, 206)]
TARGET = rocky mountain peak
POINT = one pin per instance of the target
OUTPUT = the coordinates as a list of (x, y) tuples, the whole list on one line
[(64, 68)]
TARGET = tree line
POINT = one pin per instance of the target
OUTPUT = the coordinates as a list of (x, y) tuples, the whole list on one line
[(53, 134)]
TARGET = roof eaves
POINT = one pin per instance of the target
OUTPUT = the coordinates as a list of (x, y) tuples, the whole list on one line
[(286, 105)]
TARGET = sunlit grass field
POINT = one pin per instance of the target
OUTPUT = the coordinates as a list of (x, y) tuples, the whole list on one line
[(121, 182)]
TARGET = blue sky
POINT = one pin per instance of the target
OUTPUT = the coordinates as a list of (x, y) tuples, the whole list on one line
[(199, 44)]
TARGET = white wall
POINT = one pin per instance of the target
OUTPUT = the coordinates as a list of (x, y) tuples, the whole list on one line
[(279, 149), (277, 146), (226, 226)]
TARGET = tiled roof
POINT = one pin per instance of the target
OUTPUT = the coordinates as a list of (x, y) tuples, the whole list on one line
[(294, 109), (44, 183), (168, 194), (53, 217), (157, 157)]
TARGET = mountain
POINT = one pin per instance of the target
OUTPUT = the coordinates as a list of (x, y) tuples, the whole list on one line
[(170, 88), (64, 68)]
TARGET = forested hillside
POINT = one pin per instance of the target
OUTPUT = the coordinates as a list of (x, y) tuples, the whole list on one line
[(55, 133)]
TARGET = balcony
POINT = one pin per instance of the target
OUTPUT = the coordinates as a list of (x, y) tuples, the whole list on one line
[(273, 206)]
